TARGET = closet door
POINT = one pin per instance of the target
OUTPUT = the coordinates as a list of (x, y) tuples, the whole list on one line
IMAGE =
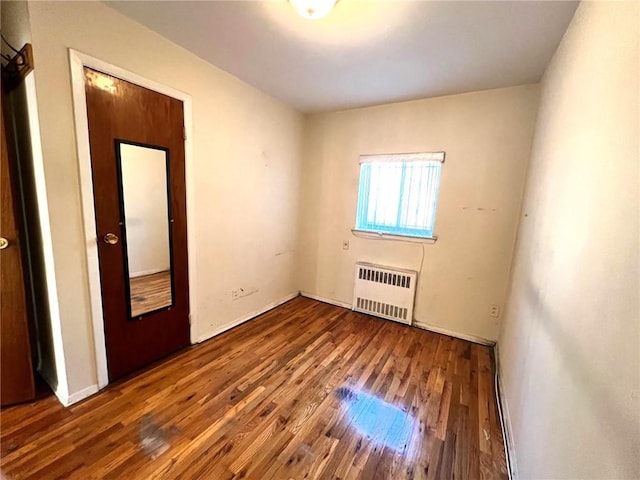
[(136, 138), (16, 369)]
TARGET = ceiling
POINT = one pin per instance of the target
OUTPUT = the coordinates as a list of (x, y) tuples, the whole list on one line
[(364, 52)]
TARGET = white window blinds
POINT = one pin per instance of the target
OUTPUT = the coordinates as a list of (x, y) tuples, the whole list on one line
[(398, 193)]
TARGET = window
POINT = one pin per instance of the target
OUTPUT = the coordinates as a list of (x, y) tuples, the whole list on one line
[(398, 194)]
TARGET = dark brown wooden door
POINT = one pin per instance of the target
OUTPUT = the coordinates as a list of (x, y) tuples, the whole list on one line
[(141, 324), (16, 369)]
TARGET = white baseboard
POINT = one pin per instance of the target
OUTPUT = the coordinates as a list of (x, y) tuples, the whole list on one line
[(77, 396), (416, 323), (505, 420), (59, 391), (63, 395), (48, 376), (330, 301), (451, 333), (81, 395), (244, 318)]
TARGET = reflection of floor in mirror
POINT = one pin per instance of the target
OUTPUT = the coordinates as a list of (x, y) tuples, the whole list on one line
[(150, 292)]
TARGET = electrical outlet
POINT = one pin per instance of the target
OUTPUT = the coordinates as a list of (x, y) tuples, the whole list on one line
[(345, 244), (494, 311), (248, 291), (242, 292)]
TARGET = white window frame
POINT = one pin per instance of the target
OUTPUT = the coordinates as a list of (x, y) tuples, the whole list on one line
[(398, 157)]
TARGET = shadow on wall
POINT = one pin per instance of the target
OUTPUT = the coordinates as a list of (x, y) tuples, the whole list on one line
[(617, 426)]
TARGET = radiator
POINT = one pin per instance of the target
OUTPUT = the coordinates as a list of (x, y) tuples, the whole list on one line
[(384, 292)]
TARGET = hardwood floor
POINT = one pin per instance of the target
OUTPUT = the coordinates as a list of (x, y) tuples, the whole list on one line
[(307, 390), (150, 292)]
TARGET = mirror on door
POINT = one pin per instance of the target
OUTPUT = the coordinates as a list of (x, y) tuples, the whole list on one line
[(146, 213)]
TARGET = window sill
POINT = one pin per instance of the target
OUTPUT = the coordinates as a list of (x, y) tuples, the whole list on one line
[(391, 236)]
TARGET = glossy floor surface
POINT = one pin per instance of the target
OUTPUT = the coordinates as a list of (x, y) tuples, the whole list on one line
[(150, 292), (307, 390)]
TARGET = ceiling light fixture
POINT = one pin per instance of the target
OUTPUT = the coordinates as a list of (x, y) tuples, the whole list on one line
[(313, 9)]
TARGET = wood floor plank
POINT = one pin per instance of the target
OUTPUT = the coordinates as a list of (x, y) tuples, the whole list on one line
[(150, 292), (307, 390)]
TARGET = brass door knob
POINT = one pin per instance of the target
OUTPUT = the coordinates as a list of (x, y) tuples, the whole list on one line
[(110, 238), (4, 243)]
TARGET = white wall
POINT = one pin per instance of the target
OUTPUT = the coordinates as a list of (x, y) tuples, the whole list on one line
[(144, 188), (570, 344), (487, 137), (246, 148)]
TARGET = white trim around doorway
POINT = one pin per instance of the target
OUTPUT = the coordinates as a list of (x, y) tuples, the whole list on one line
[(77, 62)]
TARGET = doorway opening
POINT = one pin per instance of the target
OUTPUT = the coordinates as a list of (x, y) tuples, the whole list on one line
[(79, 63)]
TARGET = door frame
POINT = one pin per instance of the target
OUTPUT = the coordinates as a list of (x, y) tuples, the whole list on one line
[(77, 62)]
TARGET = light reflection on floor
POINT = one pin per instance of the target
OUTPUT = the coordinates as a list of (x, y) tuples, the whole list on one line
[(382, 422), (152, 437)]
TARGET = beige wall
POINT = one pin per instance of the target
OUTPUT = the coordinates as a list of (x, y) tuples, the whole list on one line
[(14, 20), (246, 149), (570, 344), (486, 136)]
